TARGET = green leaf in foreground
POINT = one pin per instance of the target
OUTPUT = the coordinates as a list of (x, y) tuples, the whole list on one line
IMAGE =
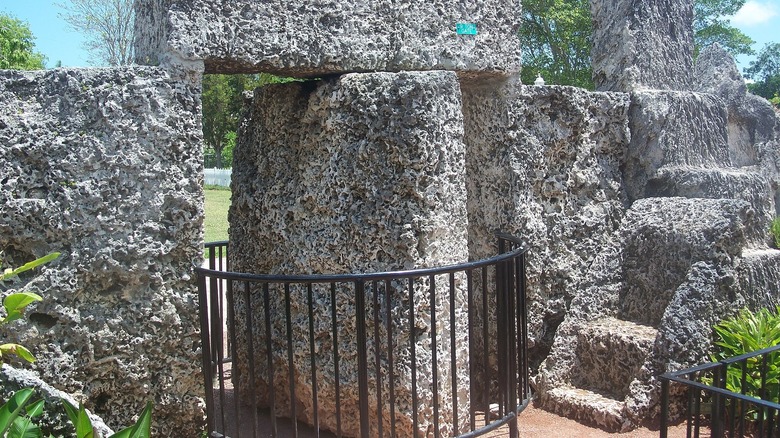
[(12, 408), (31, 265)]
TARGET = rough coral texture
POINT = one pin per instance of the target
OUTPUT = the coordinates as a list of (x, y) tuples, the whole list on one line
[(753, 124), (670, 128), (305, 38), (543, 163), (640, 44), (691, 249), (360, 173), (653, 275), (104, 165)]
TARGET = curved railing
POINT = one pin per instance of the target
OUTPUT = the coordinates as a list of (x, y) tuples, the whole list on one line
[(436, 349)]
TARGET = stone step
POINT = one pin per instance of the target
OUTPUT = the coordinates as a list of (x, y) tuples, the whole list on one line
[(588, 407), (664, 237), (760, 267), (611, 352), (745, 184)]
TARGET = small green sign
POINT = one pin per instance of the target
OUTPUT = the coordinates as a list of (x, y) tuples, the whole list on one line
[(466, 28)]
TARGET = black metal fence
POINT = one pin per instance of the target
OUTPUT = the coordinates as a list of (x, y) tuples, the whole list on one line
[(448, 371), (736, 397)]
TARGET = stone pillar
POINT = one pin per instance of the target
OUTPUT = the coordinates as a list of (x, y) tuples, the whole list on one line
[(105, 166), (642, 44), (360, 173)]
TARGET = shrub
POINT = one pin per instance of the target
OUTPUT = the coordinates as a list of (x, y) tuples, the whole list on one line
[(776, 231), (745, 333)]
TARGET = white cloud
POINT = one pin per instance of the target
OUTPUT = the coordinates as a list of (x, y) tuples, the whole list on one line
[(755, 12)]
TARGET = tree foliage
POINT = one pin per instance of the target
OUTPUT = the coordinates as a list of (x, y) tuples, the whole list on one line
[(222, 102), (107, 26), (765, 71), (17, 46), (555, 37), (711, 25)]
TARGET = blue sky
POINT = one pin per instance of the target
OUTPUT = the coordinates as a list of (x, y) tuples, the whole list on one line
[(759, 19)]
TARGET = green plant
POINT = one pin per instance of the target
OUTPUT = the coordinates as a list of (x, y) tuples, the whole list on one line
[(775, 230), (80, 420), (15, 304), (745, 333), (16, 416)]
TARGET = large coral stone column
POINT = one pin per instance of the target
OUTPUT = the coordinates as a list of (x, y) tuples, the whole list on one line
[(359, 173)]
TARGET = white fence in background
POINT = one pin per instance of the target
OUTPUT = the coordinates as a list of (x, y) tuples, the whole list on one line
[(217, 177)]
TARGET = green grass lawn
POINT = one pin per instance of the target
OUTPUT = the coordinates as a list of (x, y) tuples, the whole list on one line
[(216, 223)]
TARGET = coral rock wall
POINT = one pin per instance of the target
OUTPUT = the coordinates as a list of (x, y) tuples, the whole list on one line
[(642, 44), (543, 163), (104, 165)]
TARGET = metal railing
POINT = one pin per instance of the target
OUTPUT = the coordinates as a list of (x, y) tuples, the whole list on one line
[(252, 343), (735, 397)]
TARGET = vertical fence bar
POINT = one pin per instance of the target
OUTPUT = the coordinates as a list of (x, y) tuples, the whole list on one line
[(378, 361), (337, 377), (664, 428), (453, 357), (390, 348), (520, 332), (501, 337), (472, 348), (235, 370), (742, 403), (501, 332), (413, 353), (486, 347), (362, 343), (434, 356), (217, 336), (269, 352), (250, 334), (512, 346), (290, 364), (718, 403), (524, 306), (313, 360), (205, 341)]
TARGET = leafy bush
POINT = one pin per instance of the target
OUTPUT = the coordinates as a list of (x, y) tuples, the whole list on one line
[(776, 231), (745, 333)]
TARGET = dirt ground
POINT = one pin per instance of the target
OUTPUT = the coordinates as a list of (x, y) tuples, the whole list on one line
[(533, 422)]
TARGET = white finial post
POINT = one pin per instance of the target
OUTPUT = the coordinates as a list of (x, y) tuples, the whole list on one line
[(539, 80)]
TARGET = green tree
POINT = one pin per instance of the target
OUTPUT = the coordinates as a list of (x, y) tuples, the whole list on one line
[(107, 26), (555, 37), (765, 71), (17, 46), (223, 101), (711, 25)]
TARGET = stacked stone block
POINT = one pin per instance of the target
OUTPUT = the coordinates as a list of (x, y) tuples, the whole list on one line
[(104, 166), (324, 37), (700, 174)]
